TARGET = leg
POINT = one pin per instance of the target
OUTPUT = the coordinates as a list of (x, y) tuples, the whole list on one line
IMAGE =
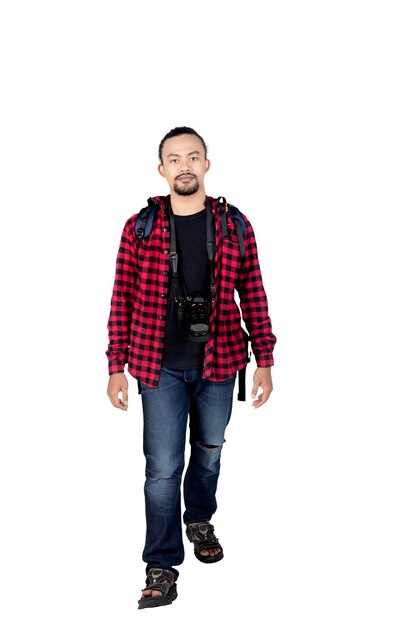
[(210, 411), (165, 415)]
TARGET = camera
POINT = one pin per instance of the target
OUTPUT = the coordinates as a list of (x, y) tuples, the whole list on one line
[(197, 311)]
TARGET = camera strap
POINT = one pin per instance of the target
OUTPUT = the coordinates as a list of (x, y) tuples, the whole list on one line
[(210, 248), (173, 259), (173, 253)]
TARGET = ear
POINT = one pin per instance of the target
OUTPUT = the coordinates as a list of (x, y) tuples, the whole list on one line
[(161, 169), (208, 165)]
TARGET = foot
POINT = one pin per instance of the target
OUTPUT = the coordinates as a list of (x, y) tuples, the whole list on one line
[(207, 548), (211, 552), (160, 588)]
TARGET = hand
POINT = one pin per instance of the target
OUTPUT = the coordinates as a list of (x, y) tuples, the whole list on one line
[(261, 378), (118, 384)]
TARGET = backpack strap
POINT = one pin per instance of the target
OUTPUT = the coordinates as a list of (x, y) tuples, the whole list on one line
[(144, 220), (239, 222), (224, 208), (240, 227), (242, 373)]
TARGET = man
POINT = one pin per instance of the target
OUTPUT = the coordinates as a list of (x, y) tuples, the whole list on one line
[(174, 320)]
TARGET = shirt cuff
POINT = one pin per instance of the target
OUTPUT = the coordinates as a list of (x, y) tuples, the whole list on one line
[(264, 360)]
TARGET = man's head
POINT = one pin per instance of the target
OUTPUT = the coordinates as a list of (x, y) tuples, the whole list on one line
[(181, 130), (183, 160)]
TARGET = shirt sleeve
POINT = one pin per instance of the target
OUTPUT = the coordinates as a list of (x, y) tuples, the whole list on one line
[(122, 300), (254, 303)]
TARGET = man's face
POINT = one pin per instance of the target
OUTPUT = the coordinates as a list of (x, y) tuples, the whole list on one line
[(183, 164)]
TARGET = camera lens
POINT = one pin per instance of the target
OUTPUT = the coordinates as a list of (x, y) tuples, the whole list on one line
[(198, 317)]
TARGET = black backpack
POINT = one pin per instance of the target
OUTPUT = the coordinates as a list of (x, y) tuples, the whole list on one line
[(143, 229)]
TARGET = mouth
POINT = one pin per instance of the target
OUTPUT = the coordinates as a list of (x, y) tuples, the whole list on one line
[(185, 178)]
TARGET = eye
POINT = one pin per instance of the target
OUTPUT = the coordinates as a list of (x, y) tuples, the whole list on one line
[(194, 158), (174, 160)]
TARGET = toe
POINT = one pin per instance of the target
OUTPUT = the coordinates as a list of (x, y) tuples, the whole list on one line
[(148, 593)]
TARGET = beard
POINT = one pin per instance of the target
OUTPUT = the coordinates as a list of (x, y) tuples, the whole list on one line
[(193, 187)]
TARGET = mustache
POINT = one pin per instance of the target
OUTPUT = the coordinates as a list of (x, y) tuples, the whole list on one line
[(182, 175)]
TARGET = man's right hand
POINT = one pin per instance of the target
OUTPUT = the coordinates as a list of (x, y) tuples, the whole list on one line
[(118, 384)]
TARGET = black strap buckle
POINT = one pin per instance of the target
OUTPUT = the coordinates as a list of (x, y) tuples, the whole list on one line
[(174, 262)]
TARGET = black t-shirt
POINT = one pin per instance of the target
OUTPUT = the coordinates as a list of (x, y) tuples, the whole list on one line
[(181, 352)]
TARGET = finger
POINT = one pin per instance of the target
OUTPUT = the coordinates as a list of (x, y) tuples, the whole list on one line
[(266, 394), (124, 396), (258, 402), (254, 391), (121, 403), (263, 397), (117, 402)]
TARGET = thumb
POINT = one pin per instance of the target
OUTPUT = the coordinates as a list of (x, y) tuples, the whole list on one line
[(124, 395), (254, 390)]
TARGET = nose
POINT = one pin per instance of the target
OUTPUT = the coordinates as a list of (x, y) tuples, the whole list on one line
[(185, 166)]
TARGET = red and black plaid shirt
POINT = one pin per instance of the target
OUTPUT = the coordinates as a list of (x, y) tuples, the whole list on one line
[(139, 302)]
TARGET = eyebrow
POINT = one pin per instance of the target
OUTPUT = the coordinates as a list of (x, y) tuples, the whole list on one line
[(171, 154)]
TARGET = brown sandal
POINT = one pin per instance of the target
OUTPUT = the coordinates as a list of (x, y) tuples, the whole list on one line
[(162, 580), (201, 534)]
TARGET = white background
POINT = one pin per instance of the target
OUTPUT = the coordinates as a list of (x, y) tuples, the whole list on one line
[(309, 113)]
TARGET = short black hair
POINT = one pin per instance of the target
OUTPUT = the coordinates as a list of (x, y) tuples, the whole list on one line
[(181, 130)]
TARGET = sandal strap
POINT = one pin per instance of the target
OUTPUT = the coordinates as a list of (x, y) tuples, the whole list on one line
[(203, 530), (207, 544), (202, 535), (160, 580)]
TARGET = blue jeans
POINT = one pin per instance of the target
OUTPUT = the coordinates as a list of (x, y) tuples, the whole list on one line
[(165, 416)]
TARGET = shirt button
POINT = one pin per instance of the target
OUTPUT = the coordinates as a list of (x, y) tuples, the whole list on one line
[(166, 251), (162, 317), (165, 229), (160, 340), (163, 295), (164, 273)]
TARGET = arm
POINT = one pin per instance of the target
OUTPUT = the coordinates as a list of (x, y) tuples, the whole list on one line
[(120, 316), (254, 306)]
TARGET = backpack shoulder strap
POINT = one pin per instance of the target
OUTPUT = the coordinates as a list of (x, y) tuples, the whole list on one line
[(144, 221), (239, 222), (240, 226)]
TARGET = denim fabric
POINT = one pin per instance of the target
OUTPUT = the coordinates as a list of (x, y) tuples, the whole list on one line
[(181, 394)]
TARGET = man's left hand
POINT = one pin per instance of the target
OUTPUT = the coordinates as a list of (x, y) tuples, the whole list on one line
[(261, 378)]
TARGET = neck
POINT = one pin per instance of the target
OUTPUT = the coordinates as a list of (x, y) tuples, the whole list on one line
[(187, 205)]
